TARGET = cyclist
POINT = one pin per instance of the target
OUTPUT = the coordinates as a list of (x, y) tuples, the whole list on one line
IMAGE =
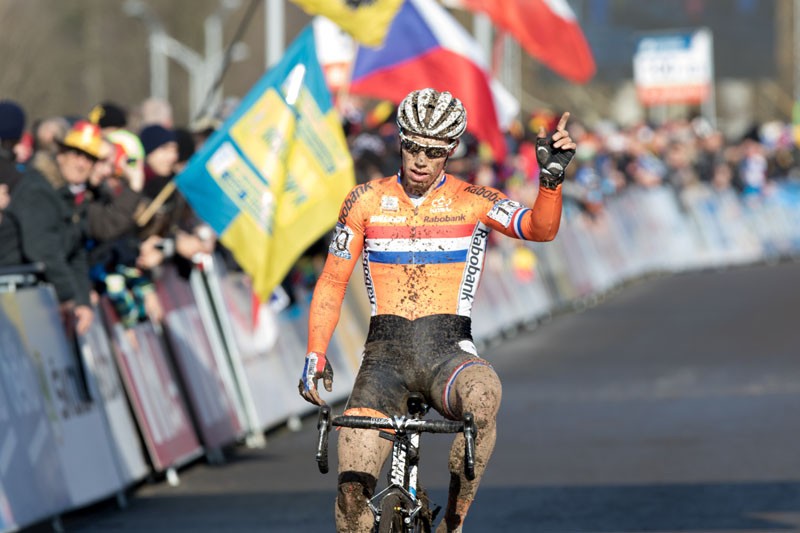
[(422, 235)]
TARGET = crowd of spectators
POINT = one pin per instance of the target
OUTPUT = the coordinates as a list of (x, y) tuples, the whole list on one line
[(683, 154), (92, 199)]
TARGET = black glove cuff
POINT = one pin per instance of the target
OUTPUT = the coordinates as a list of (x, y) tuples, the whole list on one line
[(549, 181)]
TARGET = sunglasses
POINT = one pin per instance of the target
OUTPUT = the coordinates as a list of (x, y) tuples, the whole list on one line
[(431, 152)]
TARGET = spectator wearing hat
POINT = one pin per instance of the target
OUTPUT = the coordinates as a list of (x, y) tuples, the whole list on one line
[(172, 229), (112, 198), (131, 166), (39, 227), (116, 182), (12, 125), (160, 155)]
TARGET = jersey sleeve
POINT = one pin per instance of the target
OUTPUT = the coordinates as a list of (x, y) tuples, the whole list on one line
[(539, 222), (344, 251)]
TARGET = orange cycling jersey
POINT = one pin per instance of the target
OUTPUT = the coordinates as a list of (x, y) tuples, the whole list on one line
[(420, 260)]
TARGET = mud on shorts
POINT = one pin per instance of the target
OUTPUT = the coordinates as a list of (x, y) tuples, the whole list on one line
[(401, 356)]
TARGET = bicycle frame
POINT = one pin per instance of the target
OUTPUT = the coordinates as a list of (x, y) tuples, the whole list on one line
[(404, 468)]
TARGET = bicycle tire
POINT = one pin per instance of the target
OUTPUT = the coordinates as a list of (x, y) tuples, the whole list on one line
[(423, 522), (391, 514)]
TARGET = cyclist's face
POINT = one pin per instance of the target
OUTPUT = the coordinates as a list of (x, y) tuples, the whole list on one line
[(423, 161)]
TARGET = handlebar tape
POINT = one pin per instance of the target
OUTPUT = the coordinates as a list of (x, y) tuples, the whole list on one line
[(423, 426)]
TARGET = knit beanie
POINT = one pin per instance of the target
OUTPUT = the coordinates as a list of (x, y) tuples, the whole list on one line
[(12, 120), (154, 136)]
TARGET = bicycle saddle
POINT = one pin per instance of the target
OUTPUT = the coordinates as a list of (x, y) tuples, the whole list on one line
[(416, 404)]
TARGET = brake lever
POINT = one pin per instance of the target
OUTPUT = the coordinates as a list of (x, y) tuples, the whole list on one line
[(323, 424), (470, 433)]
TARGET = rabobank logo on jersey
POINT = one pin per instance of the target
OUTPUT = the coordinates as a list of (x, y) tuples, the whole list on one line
[(473, 268)]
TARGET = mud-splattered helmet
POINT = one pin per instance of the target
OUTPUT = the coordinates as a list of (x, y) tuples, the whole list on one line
[(433, 114)]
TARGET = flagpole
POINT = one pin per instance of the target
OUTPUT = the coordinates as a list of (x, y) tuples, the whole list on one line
[(482, 28), (274, 33)]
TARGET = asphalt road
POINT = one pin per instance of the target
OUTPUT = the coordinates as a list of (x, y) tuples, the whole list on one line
[(672, 406)]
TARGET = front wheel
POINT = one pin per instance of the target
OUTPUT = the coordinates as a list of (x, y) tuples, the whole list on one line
[(391, 514)]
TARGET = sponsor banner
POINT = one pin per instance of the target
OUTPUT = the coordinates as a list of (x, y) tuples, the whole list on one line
[(212, 398), (575, 261), (210, 295), (530, 291), (499, 314), (105, 388), (674, 68), (30, 471), (153, 392), (6, 516), (592, 259), (269, 347), (82, 441), (256, 337), (497, 269), (483, 318)]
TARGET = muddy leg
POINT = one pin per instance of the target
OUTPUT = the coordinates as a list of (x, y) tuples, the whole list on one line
[(361, 456), (477, 390)]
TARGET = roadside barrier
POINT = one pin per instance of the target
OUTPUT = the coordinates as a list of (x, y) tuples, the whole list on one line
[(85, 419)]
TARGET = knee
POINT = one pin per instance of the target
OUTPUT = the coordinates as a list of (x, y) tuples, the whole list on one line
[(355, 490)]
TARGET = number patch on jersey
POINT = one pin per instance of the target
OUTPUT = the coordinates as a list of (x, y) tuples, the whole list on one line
[(340, 244), (503, 211)]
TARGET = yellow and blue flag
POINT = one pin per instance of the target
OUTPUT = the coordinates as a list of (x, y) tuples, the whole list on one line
[(270, 181), (367, 21)]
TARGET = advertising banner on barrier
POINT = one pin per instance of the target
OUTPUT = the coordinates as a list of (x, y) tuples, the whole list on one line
[(105, 387), (290, 349), (83, 443), (6, 516), (154, 393), (212, 397), (251, 338), (267, 348), (30, 471)]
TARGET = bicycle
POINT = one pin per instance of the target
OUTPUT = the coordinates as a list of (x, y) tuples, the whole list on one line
[(401, 507)]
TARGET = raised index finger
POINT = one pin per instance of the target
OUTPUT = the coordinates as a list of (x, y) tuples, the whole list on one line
[(563, 122)]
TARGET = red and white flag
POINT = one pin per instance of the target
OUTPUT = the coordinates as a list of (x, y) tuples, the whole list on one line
[(546, 29)]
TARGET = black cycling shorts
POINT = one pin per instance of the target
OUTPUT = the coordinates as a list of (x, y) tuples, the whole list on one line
[(402, 356)]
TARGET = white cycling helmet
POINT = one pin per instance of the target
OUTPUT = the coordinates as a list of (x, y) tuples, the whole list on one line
[(434, 114)]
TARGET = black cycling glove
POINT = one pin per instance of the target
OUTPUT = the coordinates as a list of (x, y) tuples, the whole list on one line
[(552, 162)]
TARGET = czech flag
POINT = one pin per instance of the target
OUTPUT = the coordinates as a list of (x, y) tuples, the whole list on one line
[(427, 47)]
